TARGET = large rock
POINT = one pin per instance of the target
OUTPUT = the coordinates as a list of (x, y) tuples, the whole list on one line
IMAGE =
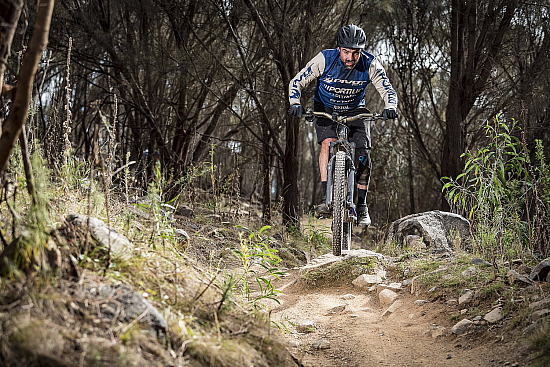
[(119, 303), (439, 230), (107, 237), (540, 272)]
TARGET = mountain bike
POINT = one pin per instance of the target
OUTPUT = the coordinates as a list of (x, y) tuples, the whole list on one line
[(341, 179)]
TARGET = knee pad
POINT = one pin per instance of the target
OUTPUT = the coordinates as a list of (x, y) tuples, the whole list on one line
[(363, 166)]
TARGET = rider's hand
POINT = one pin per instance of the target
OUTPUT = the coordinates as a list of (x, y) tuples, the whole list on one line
[(389, 114), (296, 110)]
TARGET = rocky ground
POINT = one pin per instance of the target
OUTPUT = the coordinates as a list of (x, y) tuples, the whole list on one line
[(378, 319)]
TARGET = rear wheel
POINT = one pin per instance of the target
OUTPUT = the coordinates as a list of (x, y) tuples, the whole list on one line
[(338, 204)]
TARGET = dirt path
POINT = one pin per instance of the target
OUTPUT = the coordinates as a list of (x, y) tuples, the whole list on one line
[(359, 335)]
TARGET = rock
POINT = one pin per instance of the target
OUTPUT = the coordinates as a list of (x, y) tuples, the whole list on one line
[(391, 286), (321, 344), (362, 253), (107, 237), (540, 272), (539, 314), (305, 326), (121, 303), (461, 327), (347, 297), (366, 280), (439, 230), (494, 316), (185, 211), (337, 309), (394, 307), (470, 272), (466, 296), (543, 303), (480, 262), (387, 297), (407, 282), (515, 278)]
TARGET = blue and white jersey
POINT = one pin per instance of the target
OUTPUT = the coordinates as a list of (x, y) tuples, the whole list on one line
[(339, 88)]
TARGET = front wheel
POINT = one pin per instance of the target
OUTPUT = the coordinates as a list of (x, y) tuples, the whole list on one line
[(339, 237)]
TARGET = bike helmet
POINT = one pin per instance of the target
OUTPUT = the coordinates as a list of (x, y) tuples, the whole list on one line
[(351, 36)]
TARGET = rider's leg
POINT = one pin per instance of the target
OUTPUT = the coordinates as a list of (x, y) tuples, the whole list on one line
[(363, 178), (360, 135)]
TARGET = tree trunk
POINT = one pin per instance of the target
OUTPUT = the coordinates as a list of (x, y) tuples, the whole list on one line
[(18, 113), (10, 10)]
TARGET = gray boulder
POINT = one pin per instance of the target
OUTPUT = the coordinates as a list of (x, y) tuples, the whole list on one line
[(119, 303), (438, 230), (108, 238), (540, 272)]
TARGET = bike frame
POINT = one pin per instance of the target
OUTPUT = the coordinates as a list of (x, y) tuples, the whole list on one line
[(348, 217)]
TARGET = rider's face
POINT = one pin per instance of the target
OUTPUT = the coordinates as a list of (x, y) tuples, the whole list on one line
[(349, 57)]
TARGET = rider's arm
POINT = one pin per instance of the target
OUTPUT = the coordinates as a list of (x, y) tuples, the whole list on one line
[(312, 71), (379, 79)]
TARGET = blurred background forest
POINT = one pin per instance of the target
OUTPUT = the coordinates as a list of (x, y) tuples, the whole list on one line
[(190, 87)]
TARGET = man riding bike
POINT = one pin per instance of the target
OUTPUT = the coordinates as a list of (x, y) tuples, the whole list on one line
[(342, 76)]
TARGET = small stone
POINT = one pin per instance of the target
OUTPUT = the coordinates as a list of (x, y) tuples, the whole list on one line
[(466, 296), (515, 278), (478, 261), (392, 286), (337, 309), (461, 327), (305, 326), (347, 296), (463, 311), (439, 331), (470, 272), (432, 289), (407, 282), (494, 316), (420, 302), (387, 297), (477, 318), (321, 344), (353, 315)]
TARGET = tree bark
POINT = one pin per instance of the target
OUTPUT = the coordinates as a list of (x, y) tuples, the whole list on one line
[(18, 114), (10, 10)]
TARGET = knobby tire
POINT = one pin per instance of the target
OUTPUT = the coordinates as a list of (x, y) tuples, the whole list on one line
[(338, 204)]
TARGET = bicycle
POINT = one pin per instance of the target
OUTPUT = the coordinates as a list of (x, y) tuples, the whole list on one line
[(341, 179)]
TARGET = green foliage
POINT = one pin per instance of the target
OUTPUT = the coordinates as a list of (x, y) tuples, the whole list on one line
[(259, 266), (492, 191), (317, 236)]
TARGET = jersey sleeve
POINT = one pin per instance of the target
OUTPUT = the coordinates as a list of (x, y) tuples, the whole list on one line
[(379, 79), (311, 71)]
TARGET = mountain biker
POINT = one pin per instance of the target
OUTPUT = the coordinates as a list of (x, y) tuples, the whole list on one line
[(342, 76)]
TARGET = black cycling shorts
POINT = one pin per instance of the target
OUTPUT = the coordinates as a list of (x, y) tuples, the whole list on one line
[(359, 130)]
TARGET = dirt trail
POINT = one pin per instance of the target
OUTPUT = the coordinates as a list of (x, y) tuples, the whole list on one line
[(359, 335)]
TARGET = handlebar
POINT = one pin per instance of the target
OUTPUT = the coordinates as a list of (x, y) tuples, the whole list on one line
[(342, 119)]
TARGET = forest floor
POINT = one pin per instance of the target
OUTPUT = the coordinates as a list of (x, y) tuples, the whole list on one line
[(338, 324)]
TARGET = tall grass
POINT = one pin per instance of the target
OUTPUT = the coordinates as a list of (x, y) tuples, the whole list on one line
[(495, 191)]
